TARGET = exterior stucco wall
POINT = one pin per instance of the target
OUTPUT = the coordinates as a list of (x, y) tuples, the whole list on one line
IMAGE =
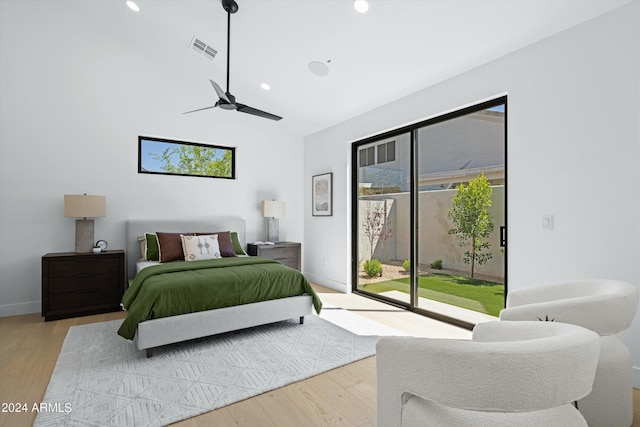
[(434, 240)]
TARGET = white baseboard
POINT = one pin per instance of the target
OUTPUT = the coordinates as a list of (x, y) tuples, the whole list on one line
[(323, 281), (7, 310)]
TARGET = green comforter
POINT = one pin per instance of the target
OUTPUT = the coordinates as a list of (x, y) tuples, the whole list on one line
[(185, 287)]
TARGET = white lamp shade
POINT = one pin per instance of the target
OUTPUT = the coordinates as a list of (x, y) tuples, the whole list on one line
[(273, 208), (84, 206)]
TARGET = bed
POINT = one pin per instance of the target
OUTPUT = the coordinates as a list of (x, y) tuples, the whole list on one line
[(151, 327)]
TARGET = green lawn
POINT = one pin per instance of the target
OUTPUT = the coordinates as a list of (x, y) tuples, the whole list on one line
[(478, 295)]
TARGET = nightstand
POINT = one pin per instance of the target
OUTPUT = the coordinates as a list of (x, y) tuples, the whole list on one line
[(79, 284), (288, 253)]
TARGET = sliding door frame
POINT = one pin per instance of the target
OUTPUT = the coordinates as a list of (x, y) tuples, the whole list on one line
[(412, 130)]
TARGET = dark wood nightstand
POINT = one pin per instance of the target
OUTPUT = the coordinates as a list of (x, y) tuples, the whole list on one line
[(288, 253), (79, 284)]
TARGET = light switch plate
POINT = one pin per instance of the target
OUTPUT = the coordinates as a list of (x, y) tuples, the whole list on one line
[(547, 222)]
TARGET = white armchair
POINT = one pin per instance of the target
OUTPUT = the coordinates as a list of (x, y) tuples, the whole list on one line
[(511, 374), (606, 307)]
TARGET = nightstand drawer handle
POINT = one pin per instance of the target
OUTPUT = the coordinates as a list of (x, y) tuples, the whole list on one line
[(85, 275), (85, 291)]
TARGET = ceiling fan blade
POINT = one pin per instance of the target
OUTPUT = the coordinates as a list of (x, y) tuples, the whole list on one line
[(219, 91), (250, 110), (200, 109)]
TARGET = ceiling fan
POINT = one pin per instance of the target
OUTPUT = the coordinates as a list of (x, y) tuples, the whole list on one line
[(227, 101)]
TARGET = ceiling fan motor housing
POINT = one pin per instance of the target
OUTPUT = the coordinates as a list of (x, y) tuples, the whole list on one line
[(230, 6), (228, 105)]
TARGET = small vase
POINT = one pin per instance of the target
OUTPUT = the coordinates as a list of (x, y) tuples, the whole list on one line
[(97, 250)]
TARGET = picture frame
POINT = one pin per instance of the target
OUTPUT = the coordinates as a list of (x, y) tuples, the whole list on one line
[(322, 195), (160, 156)]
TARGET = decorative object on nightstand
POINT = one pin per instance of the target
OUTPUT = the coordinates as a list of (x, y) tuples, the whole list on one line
[(273, 210), (288, 253), (102, 245), (84, 206), (79, 284)]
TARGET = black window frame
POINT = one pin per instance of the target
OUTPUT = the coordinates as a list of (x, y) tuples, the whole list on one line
[(142, 170)]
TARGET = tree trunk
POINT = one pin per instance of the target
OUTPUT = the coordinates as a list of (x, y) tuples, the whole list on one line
[(473, 255)]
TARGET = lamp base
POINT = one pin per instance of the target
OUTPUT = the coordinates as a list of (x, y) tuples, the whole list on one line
[(84, 235), (274, 230)]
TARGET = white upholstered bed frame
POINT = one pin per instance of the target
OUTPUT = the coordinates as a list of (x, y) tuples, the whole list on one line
[(168, 330)]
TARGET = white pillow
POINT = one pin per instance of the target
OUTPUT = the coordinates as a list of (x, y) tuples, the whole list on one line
[(142, 241), (200, 247)]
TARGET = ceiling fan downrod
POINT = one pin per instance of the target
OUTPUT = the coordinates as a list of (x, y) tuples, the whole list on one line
[(228, 46), (230, 6)]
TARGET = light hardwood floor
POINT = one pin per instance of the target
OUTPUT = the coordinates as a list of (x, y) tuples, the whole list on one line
[(346, 396)]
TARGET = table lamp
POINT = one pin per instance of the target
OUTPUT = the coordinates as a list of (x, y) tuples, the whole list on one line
[(273, 210), (82, 206)]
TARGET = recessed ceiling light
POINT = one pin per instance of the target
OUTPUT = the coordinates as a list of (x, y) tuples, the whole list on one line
[(265, 86), (361, 5), (318, 68), (133, 6)]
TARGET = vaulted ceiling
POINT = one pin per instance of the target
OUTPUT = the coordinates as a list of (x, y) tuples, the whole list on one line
[(396, 48)]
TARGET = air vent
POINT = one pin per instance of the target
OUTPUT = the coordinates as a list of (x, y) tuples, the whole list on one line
[(203, 48)]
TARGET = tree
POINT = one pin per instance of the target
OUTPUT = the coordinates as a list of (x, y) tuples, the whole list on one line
[(385, 235), (472, 220), (374, 224), (195, 160)]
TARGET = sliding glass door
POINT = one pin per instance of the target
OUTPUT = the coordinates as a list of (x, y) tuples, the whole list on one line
[(429, 215), (460, 212), (382, 206)]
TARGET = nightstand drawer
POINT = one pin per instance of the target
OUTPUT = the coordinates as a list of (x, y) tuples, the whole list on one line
[(82, 282), (288, 253), (84, 299), (290, 262), (83, 267), (280, 253)]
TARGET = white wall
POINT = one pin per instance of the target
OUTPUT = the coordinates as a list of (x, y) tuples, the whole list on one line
[(74, 99), (573, 150)]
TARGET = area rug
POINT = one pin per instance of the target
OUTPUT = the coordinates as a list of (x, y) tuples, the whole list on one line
[(101, 379)]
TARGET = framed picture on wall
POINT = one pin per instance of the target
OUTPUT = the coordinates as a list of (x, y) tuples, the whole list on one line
[(322, 195)]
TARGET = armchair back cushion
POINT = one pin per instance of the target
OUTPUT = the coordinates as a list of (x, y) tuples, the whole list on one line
[(507, 367)]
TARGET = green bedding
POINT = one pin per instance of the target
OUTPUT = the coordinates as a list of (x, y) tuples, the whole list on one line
[(185, 287)]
